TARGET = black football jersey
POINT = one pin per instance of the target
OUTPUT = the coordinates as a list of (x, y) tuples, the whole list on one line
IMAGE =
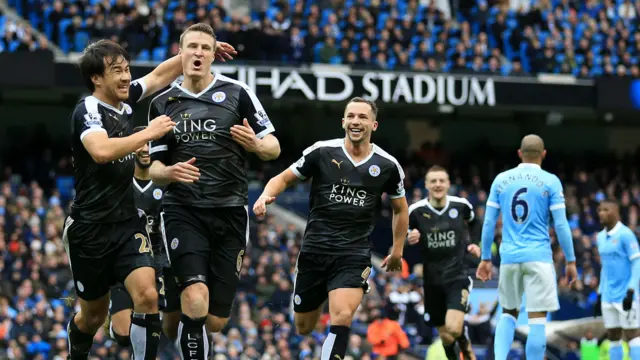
[(345, 196), (203, 128), (104, 192), (444, 237), (148, 198)]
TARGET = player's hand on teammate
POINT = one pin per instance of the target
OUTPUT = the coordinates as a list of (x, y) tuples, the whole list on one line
[(392, 262), (571, 273), (159, 126), (245, 136), (185, 172), (485, 270), (627, 302), (260, 207), (474, 250), (224, 51), (413, 237)]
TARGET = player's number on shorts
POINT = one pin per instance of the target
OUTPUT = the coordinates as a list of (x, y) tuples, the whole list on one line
[(145, 243), (515, 202), (161, 279)]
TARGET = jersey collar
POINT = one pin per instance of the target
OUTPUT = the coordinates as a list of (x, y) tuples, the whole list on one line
[(615, 229), (441, 211), (179, 86), (529, 165)]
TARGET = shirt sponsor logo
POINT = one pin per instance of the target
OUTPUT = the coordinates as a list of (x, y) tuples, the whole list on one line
[(347, 195)]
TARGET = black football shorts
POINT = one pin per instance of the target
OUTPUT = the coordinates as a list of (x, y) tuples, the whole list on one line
[(101, 255), (440, 298), (318, 274), (207, 244)]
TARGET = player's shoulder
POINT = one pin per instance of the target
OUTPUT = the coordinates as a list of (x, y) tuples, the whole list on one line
[(377, 150), (418, 205), (457, 201), (225, 81), (165, 95), (90, 106), (626, 231), (323, 145)]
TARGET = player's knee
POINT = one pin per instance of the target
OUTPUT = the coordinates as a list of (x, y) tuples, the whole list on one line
[(94, 320), (195, 300), (120, 327), (216, 324), (342, 317), (454, 330), (304, 324), (146, 299)]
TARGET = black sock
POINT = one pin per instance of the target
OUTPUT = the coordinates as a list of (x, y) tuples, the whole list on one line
[(79, 343), (193, 338), (145, 335), (121, 340), (450, 351), (465, 344), (336, 342)]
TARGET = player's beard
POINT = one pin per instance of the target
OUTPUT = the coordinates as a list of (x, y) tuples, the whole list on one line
[(142, 165)]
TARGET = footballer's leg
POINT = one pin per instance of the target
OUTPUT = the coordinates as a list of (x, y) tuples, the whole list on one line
[(134, 264), (629, 320), (347, 284), (118, 322), (435, 304), (91, 277), (309, 291), (189, 251), (510, 290), (230, 229), (542, 297), (633, 339), (457, 304)]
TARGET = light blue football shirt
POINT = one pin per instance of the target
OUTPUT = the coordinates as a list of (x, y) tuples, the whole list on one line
[(526, 195), (618, 248)]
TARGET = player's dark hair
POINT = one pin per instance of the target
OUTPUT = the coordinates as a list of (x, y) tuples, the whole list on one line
[(610, 201), (374, 108), (199, 27), (97, 57), (436, 168)]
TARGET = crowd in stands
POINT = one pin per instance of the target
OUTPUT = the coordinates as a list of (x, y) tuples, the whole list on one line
[(36, 292), (512, 37)]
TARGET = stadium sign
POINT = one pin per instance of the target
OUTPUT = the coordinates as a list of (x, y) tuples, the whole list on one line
[(335, 84)]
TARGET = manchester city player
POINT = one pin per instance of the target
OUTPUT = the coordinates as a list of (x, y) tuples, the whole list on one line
[(526, 195), (619, 278)]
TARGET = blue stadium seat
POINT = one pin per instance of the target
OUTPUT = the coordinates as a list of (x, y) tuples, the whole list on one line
[(159, 54)]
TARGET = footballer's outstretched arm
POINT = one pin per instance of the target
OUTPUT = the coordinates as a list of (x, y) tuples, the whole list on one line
[(400, 223), (276, 186), (163, 75)]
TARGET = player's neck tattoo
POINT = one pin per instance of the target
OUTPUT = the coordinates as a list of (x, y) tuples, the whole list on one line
[(438, 203)]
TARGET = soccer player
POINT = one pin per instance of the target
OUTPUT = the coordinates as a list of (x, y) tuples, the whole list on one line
[(105, 235), (526, 195), (219, 120), (349, 176), (619, 280), (441, 223), (148, 197)]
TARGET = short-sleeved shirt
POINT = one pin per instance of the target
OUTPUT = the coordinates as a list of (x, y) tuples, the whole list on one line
[(104, 192), (203, 128), (345, 196)]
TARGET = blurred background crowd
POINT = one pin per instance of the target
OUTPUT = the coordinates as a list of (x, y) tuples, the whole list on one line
[(496, 37), (586, 39)]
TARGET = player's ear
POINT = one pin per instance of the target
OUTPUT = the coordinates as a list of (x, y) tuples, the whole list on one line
[(544, 153), (344, 125), (520, 154), (375, 125), (96, 80)]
